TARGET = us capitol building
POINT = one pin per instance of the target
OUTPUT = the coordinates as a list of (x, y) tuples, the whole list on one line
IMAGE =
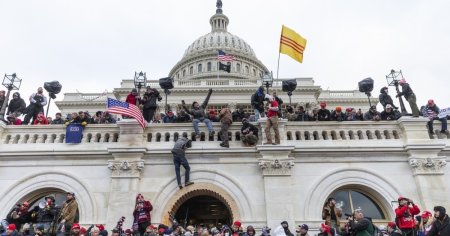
[(361, 164)]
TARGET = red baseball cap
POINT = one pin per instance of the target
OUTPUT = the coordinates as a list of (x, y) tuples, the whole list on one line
[(75, 226), (11, 227)]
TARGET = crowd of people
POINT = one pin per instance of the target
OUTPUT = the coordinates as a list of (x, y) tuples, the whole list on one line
[(49, 219)]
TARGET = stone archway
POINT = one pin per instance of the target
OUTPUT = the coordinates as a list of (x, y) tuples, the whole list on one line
[(200, 189)]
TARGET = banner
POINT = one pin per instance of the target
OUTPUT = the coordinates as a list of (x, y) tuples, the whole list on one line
[(74, 133), (444, 113)]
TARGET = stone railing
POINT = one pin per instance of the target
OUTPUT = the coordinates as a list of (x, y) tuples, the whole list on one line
[(163, 135)]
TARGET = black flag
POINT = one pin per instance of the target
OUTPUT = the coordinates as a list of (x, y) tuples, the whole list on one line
[(224, 67)]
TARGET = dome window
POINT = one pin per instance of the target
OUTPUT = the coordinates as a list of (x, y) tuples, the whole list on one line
[(226, 41), (208, 67), (247, 70), (204, 42), (218, 39), (184, 73), (191, 70), (211, 40), (254, 72), (199, 68), (233, 42), (178, 75), (238, 67)]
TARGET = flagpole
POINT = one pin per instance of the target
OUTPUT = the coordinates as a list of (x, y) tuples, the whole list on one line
[(278, 67), (218, 69)]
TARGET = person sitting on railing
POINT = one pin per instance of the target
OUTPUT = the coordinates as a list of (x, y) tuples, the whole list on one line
[(2, 97), (170, 117), (431, 111), (301, 114), (372, 114), (198, 113), (350, 114), (16, 105), (183, 117), (107, 118), (40, 120), (289, 113), (58, 120), (212, 116), (239, 114), (249, 133), (389, 113), (257, 101), (12, 120), (359, 115), (314, 116), (338, 115), (158, 116), (324, 114)]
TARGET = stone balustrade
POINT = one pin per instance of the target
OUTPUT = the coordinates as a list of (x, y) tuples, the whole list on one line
[(163, 135)]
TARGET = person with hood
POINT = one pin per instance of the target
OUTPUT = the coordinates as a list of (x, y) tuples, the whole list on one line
[(37, 103), (16, 105), (179, 159), (441, 224), (302, 230), (225, 121), (385, 99), (249, 133), (198, 113), (405, 216), (409, 96), (283, 230), (141, 214), (250, 231), (257, 101), (323, 114), (149, 101)]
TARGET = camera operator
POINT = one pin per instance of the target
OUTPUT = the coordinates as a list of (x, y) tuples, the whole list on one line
[(360, 226), (405, 216)]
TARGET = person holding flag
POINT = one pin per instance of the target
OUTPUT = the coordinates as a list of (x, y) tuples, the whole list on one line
[(124, 108)]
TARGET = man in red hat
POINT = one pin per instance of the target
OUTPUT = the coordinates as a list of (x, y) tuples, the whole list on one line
[(236, 228), (324, 114), (11, 230), (405, 216), (141, 214), (75, 231), (392, 229)]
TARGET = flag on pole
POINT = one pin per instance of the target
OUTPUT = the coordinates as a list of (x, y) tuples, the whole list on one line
[(224, 67), (123, 108), (292, 44), (222, 56)]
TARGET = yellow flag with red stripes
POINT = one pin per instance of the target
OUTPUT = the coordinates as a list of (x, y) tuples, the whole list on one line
[(292, 44)]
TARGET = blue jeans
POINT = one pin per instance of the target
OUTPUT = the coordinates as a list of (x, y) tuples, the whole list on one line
[(257, 113), (444, 124), (207, 122), (180, 160)]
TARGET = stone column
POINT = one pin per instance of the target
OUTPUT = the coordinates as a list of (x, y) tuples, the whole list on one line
[(276, 166), (426, 164), (126, 167)]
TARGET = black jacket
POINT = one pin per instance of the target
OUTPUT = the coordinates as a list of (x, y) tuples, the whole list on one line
[(385, 98), (150, 98), (258, 100), (246, 129), (16, 105), (199, 113), (393, 115), (406, 91), (440, 228), (238, 116), (324, 115), (180, 146)]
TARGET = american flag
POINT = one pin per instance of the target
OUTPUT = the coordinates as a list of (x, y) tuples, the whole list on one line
[(224, 57), (124, 108)]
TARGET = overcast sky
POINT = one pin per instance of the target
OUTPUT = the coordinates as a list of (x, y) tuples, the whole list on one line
[(91, 45)]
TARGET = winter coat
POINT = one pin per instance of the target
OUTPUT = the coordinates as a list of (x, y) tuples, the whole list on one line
[(302, 117), (168, 119), (47, 214), (326, 214), (385, 98), (150, 98), (199, 113), (406, 91), (372, 115), (69, 211), (59, 121), (183, 118), (440, 227), (143, 215), (180, 146), (324, 115), (393, 115), (405, 216), (238, 116), (246, 129), (362, 227), (431, 111), (257, 100), (338, 117), (225, 116), (16, 105)]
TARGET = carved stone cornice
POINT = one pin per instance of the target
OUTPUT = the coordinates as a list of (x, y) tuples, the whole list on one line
[(428, 166), (125, 168), (276, 167)]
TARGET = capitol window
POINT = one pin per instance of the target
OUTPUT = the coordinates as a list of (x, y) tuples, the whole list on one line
[(351, 199), (254, 72), (247, 71), (238, 67), (199, 68), (209, 66), (184, 73), (191, 70)]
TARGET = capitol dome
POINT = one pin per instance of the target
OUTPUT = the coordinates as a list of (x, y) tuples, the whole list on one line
[(200, 58)]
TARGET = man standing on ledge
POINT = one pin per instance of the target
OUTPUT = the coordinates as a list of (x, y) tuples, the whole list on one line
[(272, 120), (409, 96), (179, 158)]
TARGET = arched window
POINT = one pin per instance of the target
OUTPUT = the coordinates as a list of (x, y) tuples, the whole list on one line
[(238, 67), (254, 72), (178, 75), (351, 199), (209, 66), (199, 68), (184, 73), (191, 70), (247, 70)]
